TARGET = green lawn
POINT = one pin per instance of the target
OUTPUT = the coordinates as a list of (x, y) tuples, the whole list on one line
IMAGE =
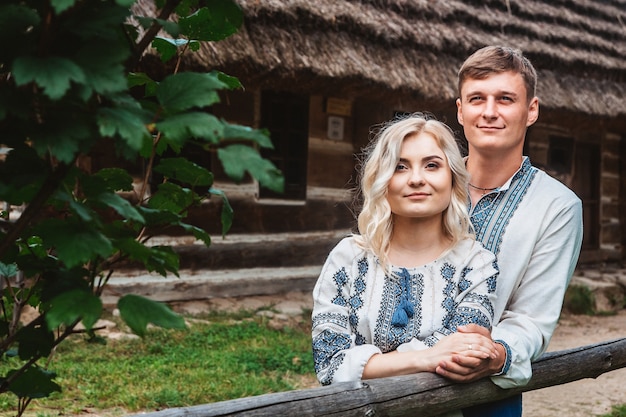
[(218, 358)]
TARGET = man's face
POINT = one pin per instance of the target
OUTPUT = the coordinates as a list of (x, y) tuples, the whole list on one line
[(495, 112)]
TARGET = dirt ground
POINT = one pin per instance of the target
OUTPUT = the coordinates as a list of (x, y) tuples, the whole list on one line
[(586, 397), (583, 398)]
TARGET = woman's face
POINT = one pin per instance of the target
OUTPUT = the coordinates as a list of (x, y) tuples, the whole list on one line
[(421, 186)]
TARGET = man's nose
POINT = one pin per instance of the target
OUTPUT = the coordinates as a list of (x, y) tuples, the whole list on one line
[(490, 110)]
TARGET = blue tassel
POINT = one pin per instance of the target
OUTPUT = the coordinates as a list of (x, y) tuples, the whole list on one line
[(405, 309)]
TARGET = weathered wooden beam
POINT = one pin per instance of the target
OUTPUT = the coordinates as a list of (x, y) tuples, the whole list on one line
[(421, 395)]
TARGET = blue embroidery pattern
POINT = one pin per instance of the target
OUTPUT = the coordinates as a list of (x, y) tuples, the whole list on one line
[(333, 318), (340, 277), (464, 283), (404, 310), (490, 219), (356, 300), (325, 346), (386, 335), (447, 273)]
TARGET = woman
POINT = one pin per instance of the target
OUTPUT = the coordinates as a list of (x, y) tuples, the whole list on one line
[(388, 299)]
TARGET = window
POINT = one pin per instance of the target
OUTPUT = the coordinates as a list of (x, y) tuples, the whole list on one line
[(586, 184), (286, 116)]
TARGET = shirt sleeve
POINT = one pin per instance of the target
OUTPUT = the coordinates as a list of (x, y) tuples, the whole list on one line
[(473, 304), (336, 356), (533, 310)]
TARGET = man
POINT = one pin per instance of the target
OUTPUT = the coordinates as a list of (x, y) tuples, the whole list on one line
[(529, 220)]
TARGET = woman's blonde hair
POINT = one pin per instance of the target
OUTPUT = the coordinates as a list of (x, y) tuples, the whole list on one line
[(379, 161)]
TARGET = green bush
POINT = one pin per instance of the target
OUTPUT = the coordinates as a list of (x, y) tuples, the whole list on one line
[(579, 300)]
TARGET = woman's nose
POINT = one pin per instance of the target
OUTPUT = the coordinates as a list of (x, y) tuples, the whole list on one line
[(416, 178)]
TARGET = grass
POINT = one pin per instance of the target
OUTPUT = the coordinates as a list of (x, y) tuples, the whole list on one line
[(617, 411), (220, 357)]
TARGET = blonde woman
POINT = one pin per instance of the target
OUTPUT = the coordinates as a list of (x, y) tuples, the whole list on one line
[(389, 299)]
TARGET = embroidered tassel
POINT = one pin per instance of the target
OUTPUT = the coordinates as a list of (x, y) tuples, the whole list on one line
[(405, 309)]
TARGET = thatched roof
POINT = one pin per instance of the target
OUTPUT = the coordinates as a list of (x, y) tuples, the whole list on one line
[(414, 47)]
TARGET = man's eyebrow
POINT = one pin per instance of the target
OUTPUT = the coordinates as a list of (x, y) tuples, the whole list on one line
[(498, 93)]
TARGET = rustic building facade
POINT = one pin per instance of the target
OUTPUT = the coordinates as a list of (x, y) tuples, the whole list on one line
[(321, 75)]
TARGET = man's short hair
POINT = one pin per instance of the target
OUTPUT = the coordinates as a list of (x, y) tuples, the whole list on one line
[(497, 59)]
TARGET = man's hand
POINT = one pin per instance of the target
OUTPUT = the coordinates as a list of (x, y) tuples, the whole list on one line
[(464, 368)]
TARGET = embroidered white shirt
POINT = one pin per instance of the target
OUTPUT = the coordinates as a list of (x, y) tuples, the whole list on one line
[(533, 224), (355, 303)]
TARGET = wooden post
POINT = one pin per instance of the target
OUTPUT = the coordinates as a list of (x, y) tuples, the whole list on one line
[(421, 394)]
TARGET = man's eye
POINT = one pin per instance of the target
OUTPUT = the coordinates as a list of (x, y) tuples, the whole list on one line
[(474, 98)]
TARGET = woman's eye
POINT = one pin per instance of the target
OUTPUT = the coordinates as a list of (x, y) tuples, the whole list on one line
[(432, 165), (401, 167)]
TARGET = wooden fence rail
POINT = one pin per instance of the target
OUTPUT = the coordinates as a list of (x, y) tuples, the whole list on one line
[(421, 395)]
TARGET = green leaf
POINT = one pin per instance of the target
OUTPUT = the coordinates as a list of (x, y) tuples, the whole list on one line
[(232, 82), (138, 312), (221, 20), (160, 259), (180, 127), (167, 48), (136, 251), (129, 123), (116, 179), (16, 19), (8, 271), (126, 3), (185, 171), (194, 46), (227, 211), (75, 242), (34, 341), (33, 383), (63, 137), (85, 213), (139, 78), (71, 306), (238, 132), (53, 74), (121, 206), (197, 232), (60, 6), (156, 217), (237, 159), (171, 28), (21, 175), (171, 197), (186, 90), (103, 65), (163, 259)]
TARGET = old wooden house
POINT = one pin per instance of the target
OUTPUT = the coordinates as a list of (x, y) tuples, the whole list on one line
[(321, 74)]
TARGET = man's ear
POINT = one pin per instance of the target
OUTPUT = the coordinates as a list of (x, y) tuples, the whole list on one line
[(459, 112), (533, 111)]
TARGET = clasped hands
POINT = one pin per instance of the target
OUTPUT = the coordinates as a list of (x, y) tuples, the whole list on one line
[(483, 357)]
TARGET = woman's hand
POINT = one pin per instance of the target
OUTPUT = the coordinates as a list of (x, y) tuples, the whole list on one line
[(473, 347), (461, 367)]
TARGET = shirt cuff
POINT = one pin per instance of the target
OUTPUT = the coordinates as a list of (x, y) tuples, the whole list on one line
[(507, 359)]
